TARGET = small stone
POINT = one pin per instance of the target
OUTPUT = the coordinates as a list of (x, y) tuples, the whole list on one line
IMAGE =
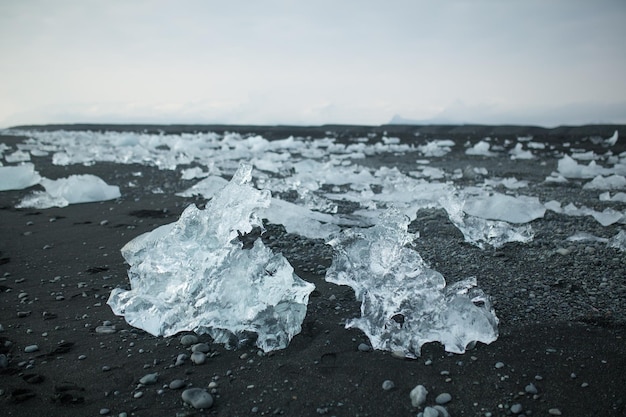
[(442, 411), (516, 408), (105, 329), (364, 347), (197, 398), (584, 385), (104, 411), (563, 251), (149, 379), (443, 398), (554, 412), (106, 368), (200, 347), (430, 412), (180, 359), (177, 384), (198, 358), (31, 348), (188, 340), (4, 362), (82, 357), (138, 394), (499, 365), (398, 354), (388, 385), (530, 388), (418, 396)]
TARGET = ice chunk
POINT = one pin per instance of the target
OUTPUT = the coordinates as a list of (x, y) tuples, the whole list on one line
[(612, 182), (496, 206), (18, 177), (71, 190), (438, 147), (207, 188), (620, 197), (619, 240), (613, 139), (480, 148), (197, 275), (478, 231), (17, 156), (569, 168), (405, 304), (519, 153)]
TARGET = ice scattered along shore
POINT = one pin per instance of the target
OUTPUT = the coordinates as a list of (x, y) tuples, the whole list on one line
[(18, 177), (71, 190), (405, 304), (197, 275)]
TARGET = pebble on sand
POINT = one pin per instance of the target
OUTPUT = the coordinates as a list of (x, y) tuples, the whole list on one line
[(418, 396), (198, 358), (388, 385), (149, 379), (188, 340), (443, 398), (31, 348), (197, 397), (177, 384)]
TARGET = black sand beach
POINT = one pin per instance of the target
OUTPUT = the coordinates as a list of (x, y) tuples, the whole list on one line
[(561, 304)]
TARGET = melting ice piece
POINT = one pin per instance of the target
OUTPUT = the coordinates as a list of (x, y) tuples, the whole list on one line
[(18, 177), (479, 231), (197, 275), (405, 304), (497, 206), (71, 190)]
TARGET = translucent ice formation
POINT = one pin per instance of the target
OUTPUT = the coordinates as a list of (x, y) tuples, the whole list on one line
[(71, 190), (497, 206), (18, 177), (478, 231), (196, 274), (405, 304)]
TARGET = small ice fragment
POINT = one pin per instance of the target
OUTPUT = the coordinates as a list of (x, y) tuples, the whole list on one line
[(71, 190), (196, 275), (569, 168), (618, 197), (586, 237), (191, 173), (207, 188), (618, 241), (18, 177), (405, 304)]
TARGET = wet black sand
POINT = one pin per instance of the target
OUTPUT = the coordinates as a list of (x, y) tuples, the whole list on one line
[(567, 338)]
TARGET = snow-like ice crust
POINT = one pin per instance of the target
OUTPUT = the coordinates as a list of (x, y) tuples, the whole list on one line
[(196, 275), (404, 303)]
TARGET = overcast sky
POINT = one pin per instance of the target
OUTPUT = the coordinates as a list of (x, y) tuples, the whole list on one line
[(544, 62)]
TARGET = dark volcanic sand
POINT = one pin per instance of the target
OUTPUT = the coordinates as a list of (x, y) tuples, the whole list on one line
[(563, 317)]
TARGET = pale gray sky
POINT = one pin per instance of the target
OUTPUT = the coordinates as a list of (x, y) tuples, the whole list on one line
[(545, 62)]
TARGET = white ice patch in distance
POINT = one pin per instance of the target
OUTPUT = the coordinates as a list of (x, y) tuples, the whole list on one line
[(18, 177), (196, 275), (436, 148), (569, 168), (405, 304), (17, 156), (74, 189), (519, 153), (481, 148)]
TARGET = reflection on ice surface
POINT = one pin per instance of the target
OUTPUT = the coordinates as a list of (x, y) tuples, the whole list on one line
[(197, 275), (405, 304)]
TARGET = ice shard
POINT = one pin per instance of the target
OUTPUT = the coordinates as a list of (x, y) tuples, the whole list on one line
[(404, 303), (198, 274)]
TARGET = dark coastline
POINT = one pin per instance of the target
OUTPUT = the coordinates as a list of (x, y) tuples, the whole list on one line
[(568, 339)]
